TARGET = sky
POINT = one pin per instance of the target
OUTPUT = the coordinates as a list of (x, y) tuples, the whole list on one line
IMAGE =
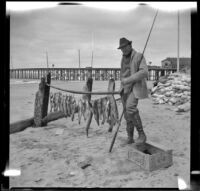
[(61, 31)]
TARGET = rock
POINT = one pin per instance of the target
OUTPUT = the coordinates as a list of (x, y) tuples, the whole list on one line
[(154, 89), (178, 94), (163, 91), (186, 93), (173, 89), (183, 96), (73, 173), (85, 166), (173, 100), (85, 163), (169, 88), (169, 94), (167, 84), (158, 96), (161, 101), (163, 80), (160, 84), (166, 99), (184, 107)]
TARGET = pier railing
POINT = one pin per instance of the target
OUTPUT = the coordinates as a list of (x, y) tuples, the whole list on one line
[(79, 74)]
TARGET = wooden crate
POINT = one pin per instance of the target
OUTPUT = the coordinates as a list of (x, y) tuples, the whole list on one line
[(150, 156)]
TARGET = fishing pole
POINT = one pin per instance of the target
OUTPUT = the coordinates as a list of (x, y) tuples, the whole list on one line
[(115, 135), (47, 60)]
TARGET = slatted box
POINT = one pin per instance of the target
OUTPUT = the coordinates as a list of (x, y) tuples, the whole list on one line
[(150, 156)]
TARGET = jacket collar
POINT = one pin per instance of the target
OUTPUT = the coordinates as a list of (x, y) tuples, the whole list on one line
[(133, 54)]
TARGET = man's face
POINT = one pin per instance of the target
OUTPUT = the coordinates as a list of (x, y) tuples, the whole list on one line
[(126, 49)]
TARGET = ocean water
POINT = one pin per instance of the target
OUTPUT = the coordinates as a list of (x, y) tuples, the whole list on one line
[(23, 81)]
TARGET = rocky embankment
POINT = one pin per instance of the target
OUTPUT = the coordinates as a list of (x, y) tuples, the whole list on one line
[(173, 89)]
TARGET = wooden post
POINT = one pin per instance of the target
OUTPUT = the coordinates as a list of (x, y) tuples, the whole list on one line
[(87, 97), (46, 96), (41, 102)]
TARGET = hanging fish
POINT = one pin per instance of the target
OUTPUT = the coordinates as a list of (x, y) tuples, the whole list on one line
[(85, 108), (59, 101), (64, 105), (99, 106), (80, 105), (108, 111), (56, 97), (69, 105), (104, 105), (51, 102), (94, 109), (61, 104), (73, 107)]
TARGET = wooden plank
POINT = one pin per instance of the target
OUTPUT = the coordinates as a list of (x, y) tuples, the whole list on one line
[(21, 125)]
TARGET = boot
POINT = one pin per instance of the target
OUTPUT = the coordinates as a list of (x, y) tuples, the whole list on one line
[(138, 124), (130, 131)]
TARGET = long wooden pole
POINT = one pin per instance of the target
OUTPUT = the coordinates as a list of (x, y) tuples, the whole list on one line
[(178, 68), (79, 60), (92, 48), (113, 140), (47, 60), (92, 59), (115, 135)]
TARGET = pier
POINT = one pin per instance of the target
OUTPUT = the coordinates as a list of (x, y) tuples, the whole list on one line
[(79, 74)]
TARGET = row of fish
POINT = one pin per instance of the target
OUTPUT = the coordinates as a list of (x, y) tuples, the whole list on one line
[(63, 103), (101, 108)]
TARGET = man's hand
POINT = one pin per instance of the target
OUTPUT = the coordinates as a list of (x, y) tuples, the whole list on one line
[(124, 81)]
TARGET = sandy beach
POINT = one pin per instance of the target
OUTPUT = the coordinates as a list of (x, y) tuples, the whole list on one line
[(51, 156)]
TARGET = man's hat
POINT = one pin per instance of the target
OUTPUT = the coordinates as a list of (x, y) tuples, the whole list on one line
[(123, 42)]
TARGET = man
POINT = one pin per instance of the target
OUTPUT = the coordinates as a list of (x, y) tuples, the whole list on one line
[(134, 72)]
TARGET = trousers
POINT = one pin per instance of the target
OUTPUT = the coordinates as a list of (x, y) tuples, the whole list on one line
[(130, 103)]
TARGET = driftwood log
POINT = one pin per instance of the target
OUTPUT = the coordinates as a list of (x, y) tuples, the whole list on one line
[(52, 117), (40, 110), (21, 125)]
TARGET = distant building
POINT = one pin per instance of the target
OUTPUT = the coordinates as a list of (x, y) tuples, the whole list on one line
[(172, 63), (152, 67)]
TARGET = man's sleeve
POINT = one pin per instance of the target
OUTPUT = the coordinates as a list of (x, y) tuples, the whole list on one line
[(142, 70), (143, 65)]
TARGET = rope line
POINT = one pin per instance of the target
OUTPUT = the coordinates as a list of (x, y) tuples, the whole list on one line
[(82, 92)]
